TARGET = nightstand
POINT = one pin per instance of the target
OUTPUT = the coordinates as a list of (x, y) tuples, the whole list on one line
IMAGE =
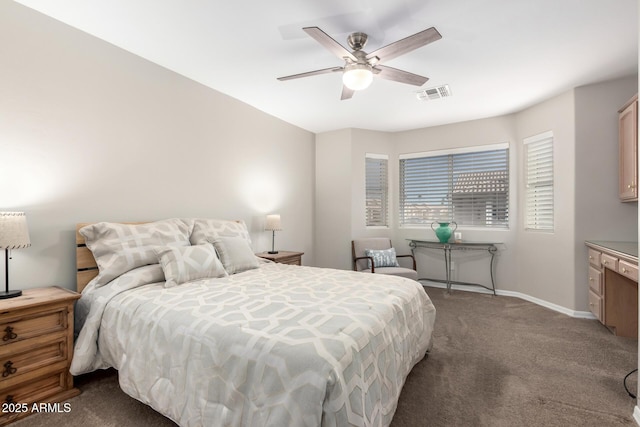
[(283, 257), (35, 350)]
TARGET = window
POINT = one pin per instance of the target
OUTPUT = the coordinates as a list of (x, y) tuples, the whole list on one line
[(469, 186), (538, 169), (377, 190)]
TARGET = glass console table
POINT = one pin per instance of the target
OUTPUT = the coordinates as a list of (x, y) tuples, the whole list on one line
[(490, 247)]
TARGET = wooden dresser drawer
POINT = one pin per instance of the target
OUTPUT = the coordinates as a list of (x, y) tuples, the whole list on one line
[(27, 356), (595, 305), (25, 326), (628, 270), (595, 280), (594, 257), (39, 390), (291, 261), (609, 262)]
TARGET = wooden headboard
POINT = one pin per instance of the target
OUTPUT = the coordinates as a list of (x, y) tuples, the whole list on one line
[(86, 267)]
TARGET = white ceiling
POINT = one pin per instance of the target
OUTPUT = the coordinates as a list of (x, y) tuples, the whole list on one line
[(497, 56)]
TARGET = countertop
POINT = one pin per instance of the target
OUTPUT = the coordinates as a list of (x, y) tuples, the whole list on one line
[(629, 249)]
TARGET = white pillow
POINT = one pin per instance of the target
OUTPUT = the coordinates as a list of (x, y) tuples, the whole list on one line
[(235, 253), (118, 248), (205, 230), (189, 263)]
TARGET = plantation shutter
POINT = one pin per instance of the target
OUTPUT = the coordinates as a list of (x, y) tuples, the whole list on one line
[(377, 184), (469, 186), (539, 182)]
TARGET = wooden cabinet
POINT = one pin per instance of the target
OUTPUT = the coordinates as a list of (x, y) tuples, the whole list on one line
[(613, 285), (628, 150), (283, 257), (35, 350)]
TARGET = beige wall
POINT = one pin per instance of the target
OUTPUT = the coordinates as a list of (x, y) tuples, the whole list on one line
[(333, 199), (90, 132), (548, 267), (547, 259)]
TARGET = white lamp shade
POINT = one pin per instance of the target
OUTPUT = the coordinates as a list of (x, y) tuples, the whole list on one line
[(14, 233), (273, 223), (357, 76)]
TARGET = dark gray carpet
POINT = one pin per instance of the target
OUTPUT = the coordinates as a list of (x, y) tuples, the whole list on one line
[(502, 361), (496, 361)]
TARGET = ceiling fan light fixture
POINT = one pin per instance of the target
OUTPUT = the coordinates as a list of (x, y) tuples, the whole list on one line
[(357, 76)]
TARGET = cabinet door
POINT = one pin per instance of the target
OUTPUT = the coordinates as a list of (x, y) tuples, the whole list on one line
[(628, 139)]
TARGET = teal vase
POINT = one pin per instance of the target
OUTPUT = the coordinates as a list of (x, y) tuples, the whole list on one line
[(444, 231)]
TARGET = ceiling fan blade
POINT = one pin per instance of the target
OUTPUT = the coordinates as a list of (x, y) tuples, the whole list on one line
[(405, 45), (346, 93), (330, 44), (396, 75), (310, 73)]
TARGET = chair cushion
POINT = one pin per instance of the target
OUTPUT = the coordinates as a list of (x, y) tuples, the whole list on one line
[(398, 271)]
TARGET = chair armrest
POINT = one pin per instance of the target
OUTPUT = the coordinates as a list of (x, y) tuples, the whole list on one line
[(410, 256), (364, 257)]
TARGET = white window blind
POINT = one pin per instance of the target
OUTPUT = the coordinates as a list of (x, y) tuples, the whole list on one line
[(377, 190), (469, 186), (538, 171)]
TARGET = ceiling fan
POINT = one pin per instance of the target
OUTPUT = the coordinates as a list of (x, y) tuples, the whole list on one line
[(360, 67)]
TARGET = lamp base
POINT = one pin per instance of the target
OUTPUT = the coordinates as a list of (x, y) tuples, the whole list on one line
[(9, 294), (272, 252)]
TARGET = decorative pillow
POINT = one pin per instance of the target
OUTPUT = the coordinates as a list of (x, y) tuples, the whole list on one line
[(188, 263), (382, 257), (205, 230), (235, 253), (118, 248)]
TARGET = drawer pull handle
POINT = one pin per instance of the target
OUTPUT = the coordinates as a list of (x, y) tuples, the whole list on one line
[(591, 279), (9, 334), (605, 262), (9, 369), (624, 270)]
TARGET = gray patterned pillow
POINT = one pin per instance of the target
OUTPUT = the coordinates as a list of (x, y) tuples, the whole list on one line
[(189, 263), (205, 230), (382, 257), (236, 254), (118, 248)]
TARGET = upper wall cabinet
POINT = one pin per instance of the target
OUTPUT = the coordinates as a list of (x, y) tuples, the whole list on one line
[(628, 140)]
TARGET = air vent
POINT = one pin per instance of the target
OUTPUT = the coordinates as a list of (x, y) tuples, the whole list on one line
[(434, 93)]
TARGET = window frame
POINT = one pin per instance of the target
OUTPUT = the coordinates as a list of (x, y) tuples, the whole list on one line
[(504, 225), (384, 192), (539, 139)]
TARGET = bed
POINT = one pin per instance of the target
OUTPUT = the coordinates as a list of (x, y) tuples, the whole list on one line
[(208, 334)]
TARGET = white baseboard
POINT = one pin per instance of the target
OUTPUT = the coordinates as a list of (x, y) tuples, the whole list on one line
[(636, 414), (538, 301)]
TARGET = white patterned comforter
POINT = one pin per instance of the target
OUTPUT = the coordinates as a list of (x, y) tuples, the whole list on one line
[(276, 346)]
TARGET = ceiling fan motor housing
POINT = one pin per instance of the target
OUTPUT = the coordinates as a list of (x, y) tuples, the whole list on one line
[(357, 40)]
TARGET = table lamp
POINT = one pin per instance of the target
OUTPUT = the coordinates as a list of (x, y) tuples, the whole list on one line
[(273, 225), (14, 234)]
